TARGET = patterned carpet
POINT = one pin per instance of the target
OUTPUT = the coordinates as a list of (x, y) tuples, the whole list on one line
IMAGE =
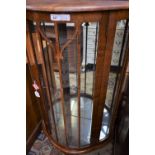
[(42, 146)]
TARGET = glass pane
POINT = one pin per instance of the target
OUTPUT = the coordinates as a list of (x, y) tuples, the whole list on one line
[(70, 78), (116, 61), (113, 76), (110, 89), (115, 69), (90, 38), (78, 124), (118, 42)]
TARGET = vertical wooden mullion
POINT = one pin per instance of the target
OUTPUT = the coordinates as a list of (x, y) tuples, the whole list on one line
[(107, 27), (95, 50), (50, 78), (59, 61), (95, 129), (34, 37), (50, 64), (107, 60), (51, 68), (65, 63), (86, 44), (30, 54), (65, 74), (79, 78)]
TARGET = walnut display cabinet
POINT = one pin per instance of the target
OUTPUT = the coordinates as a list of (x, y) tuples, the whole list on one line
[(77, 53)]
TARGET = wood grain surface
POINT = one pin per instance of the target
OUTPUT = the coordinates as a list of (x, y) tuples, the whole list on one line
[(75, 6)]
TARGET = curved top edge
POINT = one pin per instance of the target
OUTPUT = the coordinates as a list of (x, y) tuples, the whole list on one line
[(75, 6)]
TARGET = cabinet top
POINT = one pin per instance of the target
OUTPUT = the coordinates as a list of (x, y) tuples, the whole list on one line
[(75, 5)]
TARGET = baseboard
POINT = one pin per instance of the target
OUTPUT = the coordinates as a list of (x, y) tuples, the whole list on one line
[(33, 136)]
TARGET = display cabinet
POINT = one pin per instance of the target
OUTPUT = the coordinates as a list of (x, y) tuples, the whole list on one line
[(77, 53)]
